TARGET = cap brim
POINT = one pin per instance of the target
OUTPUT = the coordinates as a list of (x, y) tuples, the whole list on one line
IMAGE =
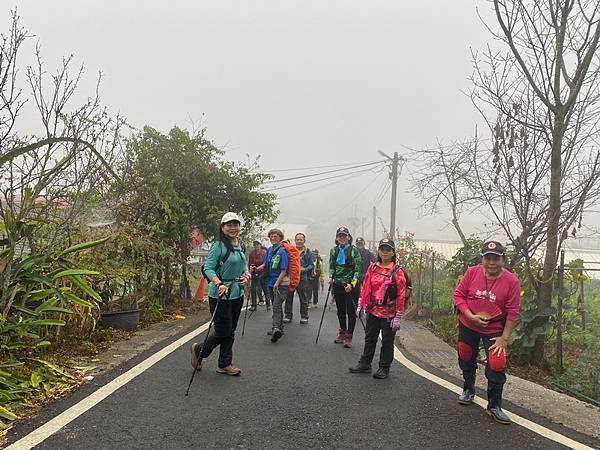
[(388, 246), (492, 252)]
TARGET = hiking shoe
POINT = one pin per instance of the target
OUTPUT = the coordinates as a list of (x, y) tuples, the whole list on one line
[(360, 369), (315, 306), (268, 308), (340, 337), (287, 320), (252, 308), (348, 341), (196, 361), (466, 398), (277, 333), (382, 373), (498, 415), (270, 332), (261, 303), (230, 370), (303, 321)]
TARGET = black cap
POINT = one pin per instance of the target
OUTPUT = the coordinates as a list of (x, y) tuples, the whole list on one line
[(387, 242), (492, 247), (342, 230), (360, 240)]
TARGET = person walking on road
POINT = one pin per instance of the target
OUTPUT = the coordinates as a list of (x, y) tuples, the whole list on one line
[(382, 298), (225, 266), (316, 278), (306, 263), (344, 270), (255, 259), (488, 300), (366, 257), (275, 265)]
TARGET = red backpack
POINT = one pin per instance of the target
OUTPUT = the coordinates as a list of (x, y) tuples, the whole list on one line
[(293, 264)]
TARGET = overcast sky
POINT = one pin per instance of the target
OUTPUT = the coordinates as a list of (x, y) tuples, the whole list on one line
[(301, 83)]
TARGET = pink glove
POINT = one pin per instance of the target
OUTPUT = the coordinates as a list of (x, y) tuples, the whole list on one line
[(360, 312), (395, 324)]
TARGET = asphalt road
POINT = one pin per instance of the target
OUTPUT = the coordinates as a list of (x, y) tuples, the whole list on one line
[(292, 394)]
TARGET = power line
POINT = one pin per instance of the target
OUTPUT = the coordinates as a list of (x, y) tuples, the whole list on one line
[(316, 181), (349, 177), (297, 169), (299, 177)]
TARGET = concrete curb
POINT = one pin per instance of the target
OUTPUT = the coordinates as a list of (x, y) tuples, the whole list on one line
[(555, 406)]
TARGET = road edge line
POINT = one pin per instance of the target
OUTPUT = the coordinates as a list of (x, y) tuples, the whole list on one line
[(46, 430), (526, 423)]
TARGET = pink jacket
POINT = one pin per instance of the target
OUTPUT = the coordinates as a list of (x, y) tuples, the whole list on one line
[(374, 286)]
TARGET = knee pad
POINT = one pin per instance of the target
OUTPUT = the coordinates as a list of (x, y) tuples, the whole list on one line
[(497, 362), (465, 352)]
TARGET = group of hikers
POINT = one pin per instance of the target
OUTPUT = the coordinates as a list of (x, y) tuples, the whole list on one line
[(364, 286)]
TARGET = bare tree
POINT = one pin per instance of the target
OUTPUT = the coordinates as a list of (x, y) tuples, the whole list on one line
[(445, 178), (544, 96)]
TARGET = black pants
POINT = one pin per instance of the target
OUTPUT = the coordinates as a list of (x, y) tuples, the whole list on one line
[(223, 332), (345, 303), (256, 290), (468, 350), (372, 329), (313, 290)]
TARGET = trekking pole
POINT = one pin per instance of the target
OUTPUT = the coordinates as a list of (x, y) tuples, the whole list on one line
[(323, 315), (245, 316), (359, 318), (203, 345)]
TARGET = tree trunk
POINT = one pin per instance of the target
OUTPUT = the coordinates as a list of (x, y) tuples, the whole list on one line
[(544, 300), (458, 228)]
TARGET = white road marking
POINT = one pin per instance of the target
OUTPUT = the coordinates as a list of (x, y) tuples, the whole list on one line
[(42, 433), (532, 426)]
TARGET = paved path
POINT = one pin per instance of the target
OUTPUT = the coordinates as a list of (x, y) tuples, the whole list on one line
[(293, 394)]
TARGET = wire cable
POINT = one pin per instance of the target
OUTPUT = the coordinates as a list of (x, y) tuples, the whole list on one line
[(299, 177), (272, 189), (297, 169), (350, 177)]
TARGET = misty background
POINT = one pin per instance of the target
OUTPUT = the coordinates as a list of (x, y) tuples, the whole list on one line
[(299, 84)]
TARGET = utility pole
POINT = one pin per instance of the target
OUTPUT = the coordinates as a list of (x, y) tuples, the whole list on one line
[(395, 169), (374, 228)]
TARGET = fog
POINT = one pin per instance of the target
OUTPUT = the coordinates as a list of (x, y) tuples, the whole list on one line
[(298, 83)]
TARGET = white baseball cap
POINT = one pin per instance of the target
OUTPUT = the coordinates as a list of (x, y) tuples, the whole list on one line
[(230, 217)]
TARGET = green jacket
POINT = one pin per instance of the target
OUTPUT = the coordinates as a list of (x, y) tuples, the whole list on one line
[(348, 273), (230, 271)]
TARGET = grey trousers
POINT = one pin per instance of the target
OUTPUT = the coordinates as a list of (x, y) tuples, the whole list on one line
[(303, 295), (277, 300)]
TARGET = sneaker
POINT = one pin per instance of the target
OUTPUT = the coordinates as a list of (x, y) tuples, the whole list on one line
[(261, 303), (340, 337), (277, 333), (498, 415), (196, 362), (466, 398), (360, 369), (230, 370), (287, 320), (348, 341), (315, 306), (252, 308), (382, 373), (303, 321)]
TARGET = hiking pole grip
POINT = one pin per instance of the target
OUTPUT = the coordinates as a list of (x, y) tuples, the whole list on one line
[(212, 318), (323, 314)]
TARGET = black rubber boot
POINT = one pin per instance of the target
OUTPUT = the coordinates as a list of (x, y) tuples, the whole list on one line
[(494, 407), (466, 398)]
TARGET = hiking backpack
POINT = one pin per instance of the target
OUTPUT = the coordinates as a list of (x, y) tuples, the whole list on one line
[(224, 259), (349, 259), (293, 264)]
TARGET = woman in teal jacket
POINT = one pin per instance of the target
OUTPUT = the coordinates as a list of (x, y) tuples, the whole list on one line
[(225, 266)]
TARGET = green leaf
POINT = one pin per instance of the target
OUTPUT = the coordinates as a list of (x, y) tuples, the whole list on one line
[(48, 322), (78, 301), (72, 272), (47, 304), (6, 414), (25, 310), (81, 284), (42, 344), (36, 379), (84, 246), (40, 294)]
